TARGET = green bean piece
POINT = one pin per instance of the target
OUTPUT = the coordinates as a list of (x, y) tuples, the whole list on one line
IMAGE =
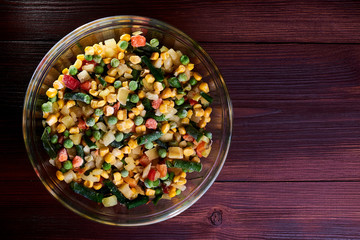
[(78, 97), (174, 82), (207, 97), (140, 200), (90, 143), (86, 192), (114, 190), (49, 148), (149, 137), (102, 81), (187, 165), (158, 75), (80, 151), (180, 101)]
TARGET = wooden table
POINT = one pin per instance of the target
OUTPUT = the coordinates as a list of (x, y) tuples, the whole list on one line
[(293, 72)]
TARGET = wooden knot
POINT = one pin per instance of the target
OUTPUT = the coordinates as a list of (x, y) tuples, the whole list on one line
[(216, 218)]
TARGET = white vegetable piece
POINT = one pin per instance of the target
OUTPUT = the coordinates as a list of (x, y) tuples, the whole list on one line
[(69, 176), (130, 163), (111, 43), (152, 154), (68, 121), (175, 152), (109, 201), (83, 76), (76, 138), (125, 190), (108, 138), (123, 95), (146, 171), (88, 67)]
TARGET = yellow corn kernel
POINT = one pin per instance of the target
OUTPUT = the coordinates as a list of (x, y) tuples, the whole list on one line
[(190, 113), (165, 128), (97, 49), (45, 114), (182, 130), (61, 78), (154, 56), (183, 175), (174, 130), (65, 71), (121, 55), (176, 178), (188, 151), (125, 37), (111, 98), (149, 78), (101, 103), (80, 57), (122, 114), (129, 123), (103, 151), (89, 50), (109, 79), (93, 85), (190, 66), (197, 76), (108, 110), (158, 87), (51, 119), (94, 104), (60, 103), (111, 89), (74, 130), (141, 94), (195, 159), (172, 192), (112, 72), (104, 174), (199, 112), (120, 126), (88, 184), (204, 87), (185, 121), (140, 129), (166, 93), (97, 186), (207, 119), (58, 85), (136, 111), (126, 150), (70, 103), (179, 70), (125, 84), (131, 115), (202, 123), (60, 94), (164, 55), (182, 181), (109, 158), (196, 106), (207, 112), (60, 128), (107, 60), (60, 175), (135, 59), (96, 118), (117, 176), (94, 92), (78, 63), (104, 93), (150, 192), (140, 106), (51, 92), (132, 143), (163, 108)]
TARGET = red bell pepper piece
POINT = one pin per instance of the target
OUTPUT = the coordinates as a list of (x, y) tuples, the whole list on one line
[(71, 82)]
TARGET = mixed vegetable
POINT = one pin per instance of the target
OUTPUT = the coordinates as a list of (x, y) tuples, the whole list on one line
[(126, 122)]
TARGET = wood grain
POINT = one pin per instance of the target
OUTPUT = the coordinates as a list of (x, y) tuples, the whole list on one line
[(226, 211), (214, 20)]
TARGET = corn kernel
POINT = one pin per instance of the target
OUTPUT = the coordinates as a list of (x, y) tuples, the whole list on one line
[(78, 63), (65, 71), (109, 158), (51, 92), (94, 92), (89, 50), (101, 103), (129, 123), (97, 49), (125, 84), (122, 114), (166, 93), (96, 118), (158, 87), (135, 59), (190, 66), (182, 181), (111, 89), (202, 123), (60, 94), (199, 112), (80, 57), (104, 174), (179, 70), (70, 103), (150, 192), (185, 121), (197, 76), (121, 55), (136, 111), (182, 130), (60, 103), (60, 175), (204, 87), (74, 130), (165, 128), (140, 106), (109, 79), (141, 94), (103, 151), (176, 178), (126, 149), (207, 112), (195, 159), (154, 56), (88, 184), (51, 119), (198, 105), (188, 151), (120, 126), (111, 98), (58, 85), (93, 85), (94, 104), (112, 72), (163, 108), (132, 143), (107, 60), (164, 55), (108, 110), (60, 128), (140, 129), (97, 186), (207, 119), (190, 113), (183, 175), (149, 78), (125, 37), (104, 93), (45, 114)]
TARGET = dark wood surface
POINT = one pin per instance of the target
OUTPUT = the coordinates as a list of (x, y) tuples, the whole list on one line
[(293, 72)]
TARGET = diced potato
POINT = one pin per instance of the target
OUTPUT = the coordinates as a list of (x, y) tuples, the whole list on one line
[(108, 138), (123, 95), (84, 75), (68, 121), (89, 67), (111, 43), (110, 52), (125, 190), (76, 138), (152, 154), (130, 163), (88, 110), (109, 201), (148, 86), (167, 137), (175, 152), (101, 126), (65, 110), (146, 171), (69, 176)]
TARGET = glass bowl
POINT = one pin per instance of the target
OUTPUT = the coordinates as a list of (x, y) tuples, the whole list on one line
[(62, 54)]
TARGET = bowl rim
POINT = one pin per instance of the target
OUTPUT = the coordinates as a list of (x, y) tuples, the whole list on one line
[(75, 34)]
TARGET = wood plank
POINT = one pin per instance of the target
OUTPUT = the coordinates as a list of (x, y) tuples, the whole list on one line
[(226, 211), (213, 20), (296, 114)]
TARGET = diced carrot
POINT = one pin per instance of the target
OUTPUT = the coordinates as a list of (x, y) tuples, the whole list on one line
[(116, 108), (63, 156), (193, 102), (200, 148), (85, 86), (77, 161), (188, 138), (132, 182), (82, 124), (144, 160), (156, 103), (162, 168), (138, 41)]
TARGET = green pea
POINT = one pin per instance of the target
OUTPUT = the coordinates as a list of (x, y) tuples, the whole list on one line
[(123, 45), (180, 101), (154, 42), (178, 191), (117, 84), (174, 82), (73, 70), (149, 145), (68, 165), (68, 143), (180, 91), (97, 58), (148, 183), (156, 183), (66, 133), (90, 121), (208, 135), (182, 113), (162, 152), (182, 77), (88, 57), (165, 178), (98, 69), (54, 139), (192, 81), (124, 173), (134, 98), (119, 136), (95, 127), (184, 60), (46, 107), (102, 63), (114, 62), (98, 112), (96, 135), (53, 99), (112, 120), (138, 120), (133, 85), (158, 191), (88, 132), (106, 166), (63, 170)]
